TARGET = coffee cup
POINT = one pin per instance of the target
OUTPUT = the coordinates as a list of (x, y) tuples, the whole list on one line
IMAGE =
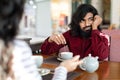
[(90, 64), (65, 55), (38, 60)]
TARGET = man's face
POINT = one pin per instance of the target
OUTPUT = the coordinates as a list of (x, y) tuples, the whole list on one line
[(86, 23)]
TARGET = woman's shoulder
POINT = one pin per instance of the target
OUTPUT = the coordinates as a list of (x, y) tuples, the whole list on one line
[(21, 47), (19, 43)]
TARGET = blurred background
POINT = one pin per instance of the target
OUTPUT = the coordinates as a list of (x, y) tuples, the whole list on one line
[(43, 18)]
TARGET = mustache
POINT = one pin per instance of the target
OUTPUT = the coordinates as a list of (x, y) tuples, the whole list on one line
[(87, 27)]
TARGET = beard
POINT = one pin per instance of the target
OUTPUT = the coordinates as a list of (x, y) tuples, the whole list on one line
[(86, 31)]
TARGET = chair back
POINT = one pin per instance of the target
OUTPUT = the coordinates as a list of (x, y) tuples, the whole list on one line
[(115, 44)]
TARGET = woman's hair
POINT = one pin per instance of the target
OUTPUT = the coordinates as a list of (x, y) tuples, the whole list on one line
[(79, 15), (10, 15)]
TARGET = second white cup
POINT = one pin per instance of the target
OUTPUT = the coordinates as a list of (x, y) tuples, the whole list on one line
[(38, 60), (65, 55)]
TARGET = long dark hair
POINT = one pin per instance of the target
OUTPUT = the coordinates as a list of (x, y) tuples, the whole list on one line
[(10, 15), (80, 13)]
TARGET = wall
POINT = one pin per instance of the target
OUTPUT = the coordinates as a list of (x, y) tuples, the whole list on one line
[(43, 19), (115, 13)]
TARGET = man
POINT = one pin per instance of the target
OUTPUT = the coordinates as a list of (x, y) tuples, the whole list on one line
[(84, 36)]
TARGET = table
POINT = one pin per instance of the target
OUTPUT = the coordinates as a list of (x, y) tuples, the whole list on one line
[(107, 70)]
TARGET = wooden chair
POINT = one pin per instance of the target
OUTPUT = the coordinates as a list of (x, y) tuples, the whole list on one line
[(109, 44)]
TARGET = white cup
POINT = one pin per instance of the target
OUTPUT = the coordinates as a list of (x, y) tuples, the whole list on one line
[(65, 55), (38, 60)]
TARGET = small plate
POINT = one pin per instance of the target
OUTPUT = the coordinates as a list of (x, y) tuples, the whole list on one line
[(44, 71), (60, 59)]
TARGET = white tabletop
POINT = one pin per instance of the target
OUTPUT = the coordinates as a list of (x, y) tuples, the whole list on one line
[(34, 39)]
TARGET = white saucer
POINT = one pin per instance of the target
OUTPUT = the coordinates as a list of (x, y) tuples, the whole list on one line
[(60, 59), (43, 71)]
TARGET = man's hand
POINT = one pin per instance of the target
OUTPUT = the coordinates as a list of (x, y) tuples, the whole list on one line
[(57, 38), (97, 22)]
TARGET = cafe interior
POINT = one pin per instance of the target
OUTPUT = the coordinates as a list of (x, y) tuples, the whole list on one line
[(43, 18)]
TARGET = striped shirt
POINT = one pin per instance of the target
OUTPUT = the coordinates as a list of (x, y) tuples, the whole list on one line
[(24, 67)]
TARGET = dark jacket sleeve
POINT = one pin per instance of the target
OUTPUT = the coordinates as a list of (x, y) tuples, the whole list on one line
[(50, 48), (100, 44)]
